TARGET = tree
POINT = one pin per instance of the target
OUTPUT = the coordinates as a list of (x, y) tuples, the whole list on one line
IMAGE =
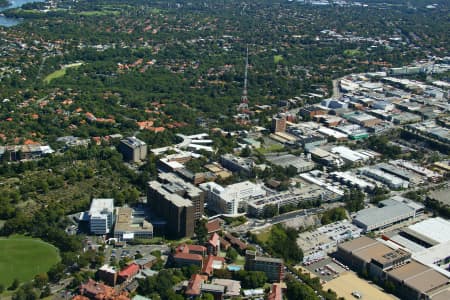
[(246, 152), (46, 292), (222, 273), (333, 215), (282, 242), (379, 194), (232, 254), (40, 280), (270, 211), (160, 284), (190, 270), (250, 279), (207, 296), (56, 272), (201, 231), (2, 288), (354, 200), (14, 285), (299, 291)]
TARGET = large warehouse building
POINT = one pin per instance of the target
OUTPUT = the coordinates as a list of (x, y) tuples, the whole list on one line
[(391, 211), (410, 278), (428, 241)]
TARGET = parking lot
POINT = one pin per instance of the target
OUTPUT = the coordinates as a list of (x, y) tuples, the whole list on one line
[(129, 251), (323, 240), (326, 269)]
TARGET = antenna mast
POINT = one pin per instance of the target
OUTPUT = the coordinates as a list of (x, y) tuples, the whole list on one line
[(244, 98)]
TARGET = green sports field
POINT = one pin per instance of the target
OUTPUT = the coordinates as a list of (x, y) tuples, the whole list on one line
[(23, 258)]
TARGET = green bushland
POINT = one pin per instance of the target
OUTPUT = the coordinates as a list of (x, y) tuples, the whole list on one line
[(24, 257)]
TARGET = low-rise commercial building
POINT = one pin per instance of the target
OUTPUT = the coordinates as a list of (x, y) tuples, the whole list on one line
[(237, 164), (362, 119), (307, 112), (352, 180), (354, 132), (390, 180), (232, 287), (354, 156), (402, 173), (430, 130), (317, 243), (24, 152), (332, 134), (326, 158), (419, 170), (307, 192), (128, 227), (300, 163)]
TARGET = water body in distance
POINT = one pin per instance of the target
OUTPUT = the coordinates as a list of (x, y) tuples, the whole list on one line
[(5, 21)]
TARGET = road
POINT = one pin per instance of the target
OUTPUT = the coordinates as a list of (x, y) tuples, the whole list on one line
[(60, 285), (336, 91), (256, 224), (295, 214)]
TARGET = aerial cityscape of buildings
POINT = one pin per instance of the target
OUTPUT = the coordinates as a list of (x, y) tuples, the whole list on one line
[(224, 150)]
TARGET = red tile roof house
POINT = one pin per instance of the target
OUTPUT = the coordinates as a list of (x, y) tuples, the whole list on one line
[(224, 244), (214, 226), (213, 244), (236, 242), (186, 255), (100, 291), (187, 259), (194, 286), (192, 249), (275, 293), (213, 263), (128, 273)]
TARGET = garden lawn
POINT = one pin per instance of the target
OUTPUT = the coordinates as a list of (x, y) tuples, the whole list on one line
[(24, 257), (61, 72), (54, 75)]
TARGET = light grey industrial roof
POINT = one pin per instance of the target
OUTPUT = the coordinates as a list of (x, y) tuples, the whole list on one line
[(289, 160), (374, 215), (437, 229)]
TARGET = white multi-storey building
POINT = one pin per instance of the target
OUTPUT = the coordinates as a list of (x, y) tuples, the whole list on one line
[(226, 200), (101, 215)]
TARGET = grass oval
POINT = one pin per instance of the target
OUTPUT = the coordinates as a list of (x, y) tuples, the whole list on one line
[(24, 257)]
